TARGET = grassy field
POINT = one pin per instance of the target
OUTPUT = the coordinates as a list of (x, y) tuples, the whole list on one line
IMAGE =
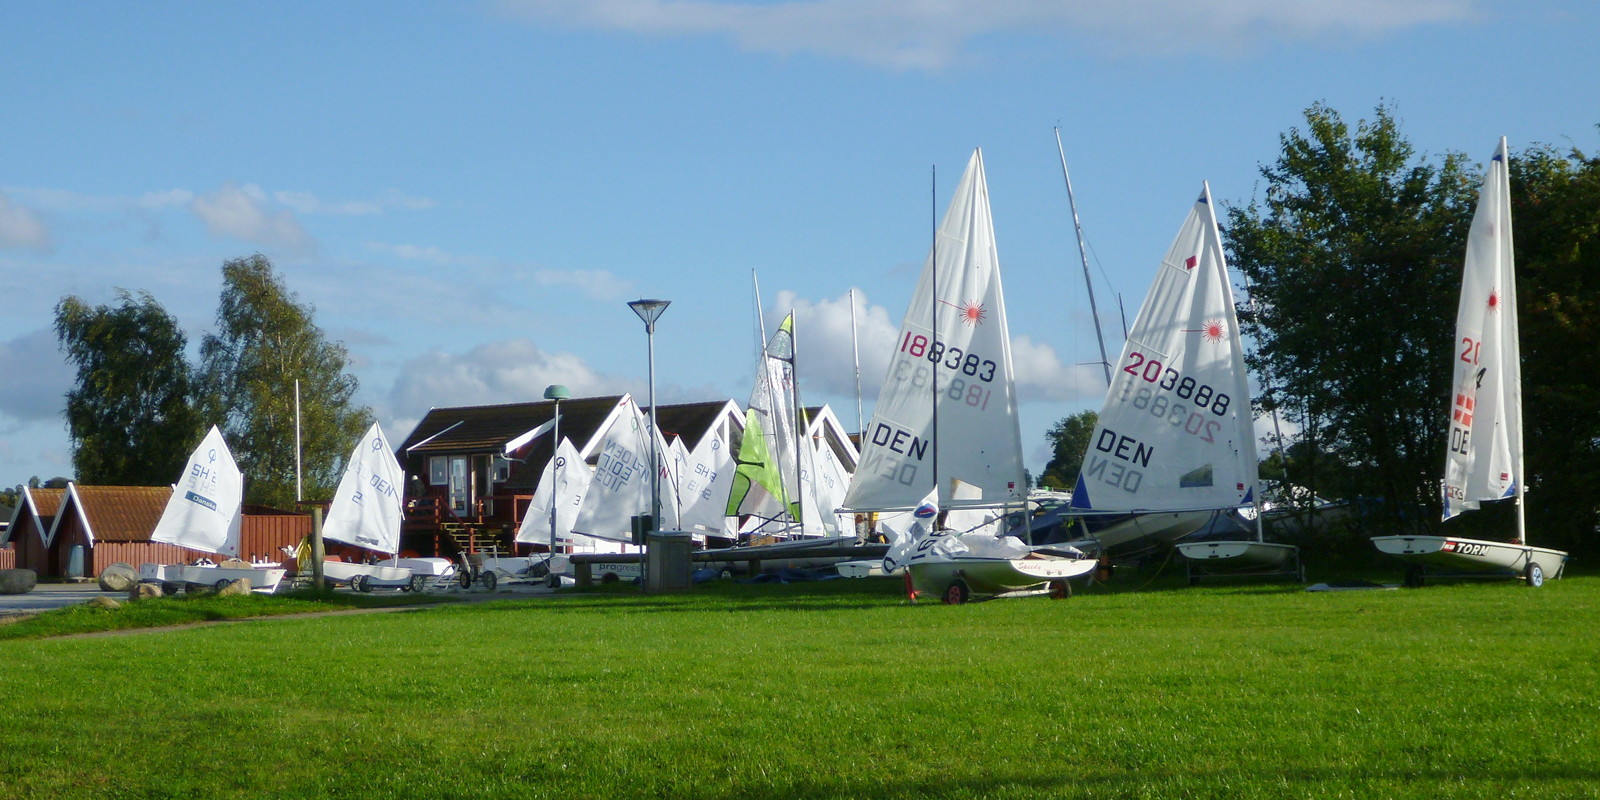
[(835, 689)]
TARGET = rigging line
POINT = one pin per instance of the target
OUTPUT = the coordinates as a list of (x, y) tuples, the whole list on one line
[(1088, 281)]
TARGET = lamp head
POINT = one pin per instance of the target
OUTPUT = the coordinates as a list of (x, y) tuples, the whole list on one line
[(557, 392)]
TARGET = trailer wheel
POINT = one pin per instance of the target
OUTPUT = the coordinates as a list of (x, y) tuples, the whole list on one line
[(362, 583), (957, 593), (488, 580), (223, 584), (1535, 575), (1060, 590), (464, 577), (169, 589)]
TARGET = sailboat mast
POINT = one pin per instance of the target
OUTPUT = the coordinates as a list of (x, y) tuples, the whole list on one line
[(1083, 253), (1514, 364), (933, 313), (761, 320), (855, 354), (799, 422)]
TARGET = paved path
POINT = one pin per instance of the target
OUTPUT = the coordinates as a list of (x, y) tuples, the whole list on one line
[(46, 596)]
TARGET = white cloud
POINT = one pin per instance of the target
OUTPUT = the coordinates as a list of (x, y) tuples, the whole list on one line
[(308, 203), (932, 34), (597, 284), (242, 212), (506, 371), (21, 227), (34, 377)]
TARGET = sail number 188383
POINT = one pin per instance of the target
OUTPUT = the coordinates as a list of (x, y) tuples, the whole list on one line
[(962, 379)]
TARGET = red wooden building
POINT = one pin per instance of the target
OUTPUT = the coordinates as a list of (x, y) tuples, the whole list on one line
[(29, 532), (112, 524)]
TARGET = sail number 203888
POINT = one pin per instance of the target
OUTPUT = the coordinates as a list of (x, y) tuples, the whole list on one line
[(1167, 378)]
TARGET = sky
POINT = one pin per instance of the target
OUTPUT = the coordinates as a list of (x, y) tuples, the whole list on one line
[(469, 193)]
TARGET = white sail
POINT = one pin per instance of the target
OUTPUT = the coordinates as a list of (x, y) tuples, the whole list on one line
[(954, 350), (705, 483), (830, 486), (766, 476), (367, 507), (204, 511), (1176, 432), (564, 483), (620, 488), (1484, 459)]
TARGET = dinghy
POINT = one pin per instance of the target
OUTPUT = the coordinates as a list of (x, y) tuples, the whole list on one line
[(946, 420), (1483, 461), (366, 512), (1174, 444), (204, 514)]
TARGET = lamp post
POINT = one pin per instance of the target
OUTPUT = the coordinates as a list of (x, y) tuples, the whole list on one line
[(650, 311), (555, 392)]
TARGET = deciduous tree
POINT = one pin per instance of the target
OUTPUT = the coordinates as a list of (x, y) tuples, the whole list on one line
[(266, 340), (1354, 256), (129, 414), (1069, 441)]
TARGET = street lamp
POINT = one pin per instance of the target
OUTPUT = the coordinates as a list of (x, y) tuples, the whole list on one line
[(555, 392), (650, 311)]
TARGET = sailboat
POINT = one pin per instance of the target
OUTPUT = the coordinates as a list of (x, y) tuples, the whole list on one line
[(1174, 444), (366, 512), (1484, 457), (944, 432), (204, 513)]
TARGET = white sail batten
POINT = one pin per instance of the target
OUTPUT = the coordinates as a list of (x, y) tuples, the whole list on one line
[(204, 510), (1484, 456), (953, 350), (367, 507), (1176, 431)]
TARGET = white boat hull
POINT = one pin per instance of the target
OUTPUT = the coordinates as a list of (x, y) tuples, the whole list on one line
[(376, 574), (957, 579), (1455, 554), (1242, 555), (262, 579), (864, 568)]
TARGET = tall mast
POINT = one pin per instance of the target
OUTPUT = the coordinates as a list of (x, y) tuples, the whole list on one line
[(855, 353), (1083, 253)]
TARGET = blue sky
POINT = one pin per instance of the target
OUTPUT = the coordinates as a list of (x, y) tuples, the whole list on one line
[(469, 193)]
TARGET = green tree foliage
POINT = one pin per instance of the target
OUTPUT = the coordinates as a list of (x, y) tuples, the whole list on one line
[(1555, 212), (129, 415), (1069, 441), (265, 340), (1354, 257)]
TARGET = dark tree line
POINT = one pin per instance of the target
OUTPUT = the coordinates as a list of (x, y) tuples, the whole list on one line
[(138, 407)]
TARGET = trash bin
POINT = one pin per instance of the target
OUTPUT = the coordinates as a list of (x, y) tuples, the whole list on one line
[(668, 561)]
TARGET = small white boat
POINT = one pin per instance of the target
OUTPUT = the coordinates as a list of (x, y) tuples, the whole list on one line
[(264, 579), (1457, 557), (366, 577), (958, 580), (1484, 458), (1174, 441), (366, 512)]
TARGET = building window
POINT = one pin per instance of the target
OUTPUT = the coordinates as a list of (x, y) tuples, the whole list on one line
[(438, 471)]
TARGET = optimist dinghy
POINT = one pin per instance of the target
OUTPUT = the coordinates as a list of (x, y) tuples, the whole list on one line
[(1484, 457)]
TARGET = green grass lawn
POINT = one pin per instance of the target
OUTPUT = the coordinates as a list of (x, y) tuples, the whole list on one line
[(835, 689)]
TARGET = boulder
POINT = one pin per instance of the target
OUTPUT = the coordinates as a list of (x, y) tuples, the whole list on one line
[(118, 577), (143, 591), (17, 581), (103, 602), (235, 586)]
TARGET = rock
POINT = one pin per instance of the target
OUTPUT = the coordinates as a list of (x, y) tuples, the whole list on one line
[(235, 586), (143, 591), (17, 581), (118, 577), (104, 602)]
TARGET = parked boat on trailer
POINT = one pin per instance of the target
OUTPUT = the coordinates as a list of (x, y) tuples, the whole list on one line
[(1483, 461)]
